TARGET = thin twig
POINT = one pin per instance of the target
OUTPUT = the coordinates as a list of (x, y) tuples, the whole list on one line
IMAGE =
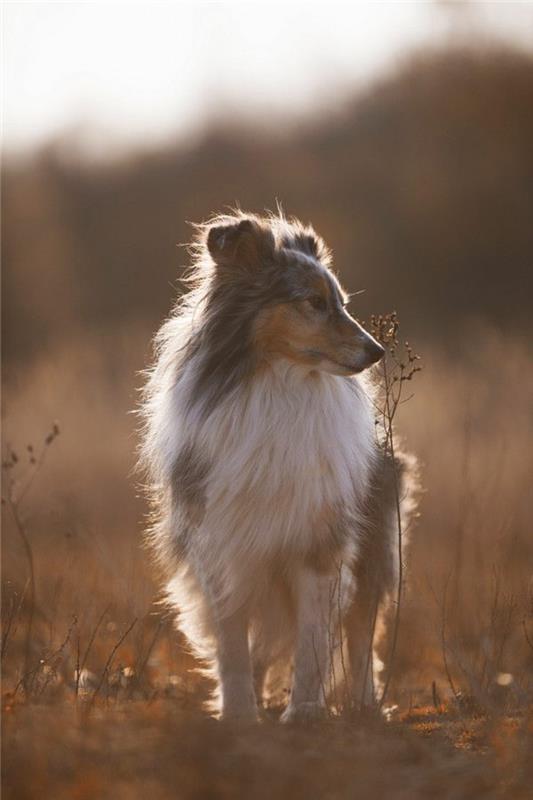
[(396, 627), (526, 634), (13, 507), (45, 661), (92, 638), (54, 656), (109, 661), (444, 646), (13, 616), (137, 678), (322, 685)]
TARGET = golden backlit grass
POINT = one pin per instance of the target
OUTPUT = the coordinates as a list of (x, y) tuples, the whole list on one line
[(101, 701)]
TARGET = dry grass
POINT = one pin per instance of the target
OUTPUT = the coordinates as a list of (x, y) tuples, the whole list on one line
[(100, 701)]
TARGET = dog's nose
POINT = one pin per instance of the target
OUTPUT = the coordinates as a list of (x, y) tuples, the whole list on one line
[(373, 350)]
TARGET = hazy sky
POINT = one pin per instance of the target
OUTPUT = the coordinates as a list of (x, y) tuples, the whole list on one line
[(116, 74)]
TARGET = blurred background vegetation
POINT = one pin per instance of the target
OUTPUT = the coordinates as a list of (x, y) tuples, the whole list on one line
[(422, 184)]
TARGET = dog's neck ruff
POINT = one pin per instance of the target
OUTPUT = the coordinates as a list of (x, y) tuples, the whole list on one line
[(281, 449)]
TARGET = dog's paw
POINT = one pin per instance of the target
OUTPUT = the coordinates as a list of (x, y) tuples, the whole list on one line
[(303, 713)]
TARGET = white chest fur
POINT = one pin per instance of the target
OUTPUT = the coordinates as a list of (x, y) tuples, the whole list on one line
[(280, 453)]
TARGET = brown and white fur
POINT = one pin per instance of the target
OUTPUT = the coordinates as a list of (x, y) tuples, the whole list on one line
[(271, 496)]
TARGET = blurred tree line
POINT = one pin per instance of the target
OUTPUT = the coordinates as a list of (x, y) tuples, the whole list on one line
[(422, 185)]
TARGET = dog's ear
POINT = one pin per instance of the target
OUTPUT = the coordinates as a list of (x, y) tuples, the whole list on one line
[(243, 244)]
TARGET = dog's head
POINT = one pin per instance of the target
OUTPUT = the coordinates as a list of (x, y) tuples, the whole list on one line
[(278, 275)]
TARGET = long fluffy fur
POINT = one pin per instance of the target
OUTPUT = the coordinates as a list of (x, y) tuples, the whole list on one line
[(255, 472)]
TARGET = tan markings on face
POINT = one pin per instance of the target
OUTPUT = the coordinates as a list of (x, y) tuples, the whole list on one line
[(306, 336), (277, 333)]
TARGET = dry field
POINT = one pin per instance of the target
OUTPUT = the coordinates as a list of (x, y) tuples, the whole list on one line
[(100, 699)]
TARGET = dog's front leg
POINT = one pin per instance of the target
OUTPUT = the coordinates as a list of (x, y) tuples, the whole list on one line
[(234, 668), (307, 701)]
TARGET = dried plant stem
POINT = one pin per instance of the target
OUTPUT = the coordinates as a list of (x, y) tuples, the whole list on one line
[(389, 411), (13, 507), (109, 662), (7, 629), (321, 679), (44, 662), (57, 653), (14, 502), (403, 367), (444, 645), (526, 634), (92, 638), (138, 676), (13, 616)]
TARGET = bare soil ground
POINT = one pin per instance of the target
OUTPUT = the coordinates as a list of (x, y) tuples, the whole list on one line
[(162, 749)]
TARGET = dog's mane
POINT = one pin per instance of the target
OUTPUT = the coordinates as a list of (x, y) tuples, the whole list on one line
[(213, 322)]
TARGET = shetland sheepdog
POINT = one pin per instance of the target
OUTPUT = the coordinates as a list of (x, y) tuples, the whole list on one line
[(273, 505)]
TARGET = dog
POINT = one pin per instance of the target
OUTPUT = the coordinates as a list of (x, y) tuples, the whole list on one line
[(274, 509)]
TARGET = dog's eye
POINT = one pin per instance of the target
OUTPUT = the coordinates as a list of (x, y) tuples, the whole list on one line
[(317, 302)]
